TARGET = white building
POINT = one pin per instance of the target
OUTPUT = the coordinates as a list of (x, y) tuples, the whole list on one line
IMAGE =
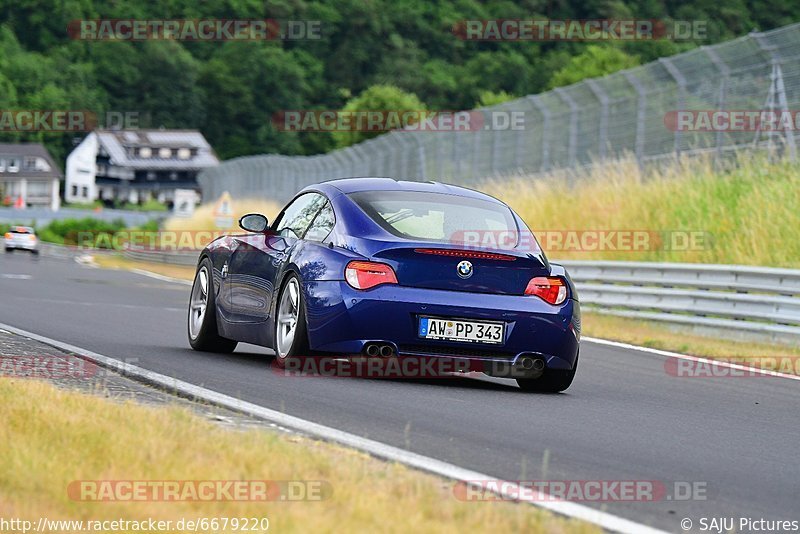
[(28, 176), (136, 165)]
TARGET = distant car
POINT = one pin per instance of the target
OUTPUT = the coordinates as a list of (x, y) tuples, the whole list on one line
[(22, 238), (378, 268)]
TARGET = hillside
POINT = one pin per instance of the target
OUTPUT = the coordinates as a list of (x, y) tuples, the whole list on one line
[(230, 90)]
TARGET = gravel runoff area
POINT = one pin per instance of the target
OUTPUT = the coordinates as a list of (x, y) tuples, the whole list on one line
[(22, 358)]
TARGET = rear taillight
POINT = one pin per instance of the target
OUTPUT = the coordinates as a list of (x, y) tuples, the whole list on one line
[(367, 274), (8, 235), (551, 289)]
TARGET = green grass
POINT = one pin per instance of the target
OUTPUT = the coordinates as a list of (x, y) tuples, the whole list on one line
[(150, 205), (749, 213)]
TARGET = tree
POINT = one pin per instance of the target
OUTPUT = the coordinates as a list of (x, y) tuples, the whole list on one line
[(489, 98), (592, 62), (383, 98)]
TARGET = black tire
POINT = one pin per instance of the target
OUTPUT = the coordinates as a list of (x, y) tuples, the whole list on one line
[(34, 252), (300, 345), (207, 338), (9, 250), (551, 381)]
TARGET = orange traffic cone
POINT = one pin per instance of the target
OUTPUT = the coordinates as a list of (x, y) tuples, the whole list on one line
[(19, 204)]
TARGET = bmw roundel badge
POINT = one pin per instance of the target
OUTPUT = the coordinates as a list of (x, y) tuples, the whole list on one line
[(464, 269)]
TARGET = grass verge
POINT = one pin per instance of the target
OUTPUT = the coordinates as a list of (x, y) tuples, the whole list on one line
[(747, 214), (203, 219), (52, 437), (658, 336), (115, 261)]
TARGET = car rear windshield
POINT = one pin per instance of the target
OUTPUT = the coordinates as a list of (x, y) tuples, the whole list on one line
[(437, 216), (21, 230)]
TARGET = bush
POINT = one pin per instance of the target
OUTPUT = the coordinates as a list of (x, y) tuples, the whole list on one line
[(67, 231)]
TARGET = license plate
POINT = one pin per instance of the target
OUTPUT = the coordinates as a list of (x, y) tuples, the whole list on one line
[(460, 330)]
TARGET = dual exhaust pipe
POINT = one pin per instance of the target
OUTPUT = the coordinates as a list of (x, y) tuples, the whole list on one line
[(531, 364), (383, 350)]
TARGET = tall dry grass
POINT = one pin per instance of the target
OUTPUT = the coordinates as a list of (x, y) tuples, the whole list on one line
[(52, 437), (203, 218), (749, 212)]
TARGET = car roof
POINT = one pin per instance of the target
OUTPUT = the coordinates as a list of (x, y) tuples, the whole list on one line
[(355, 185)]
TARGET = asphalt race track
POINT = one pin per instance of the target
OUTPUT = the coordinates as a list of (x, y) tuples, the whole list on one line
[(624, 418)]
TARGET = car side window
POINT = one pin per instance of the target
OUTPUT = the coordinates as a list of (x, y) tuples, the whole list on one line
[(322, 225), (297, 216)]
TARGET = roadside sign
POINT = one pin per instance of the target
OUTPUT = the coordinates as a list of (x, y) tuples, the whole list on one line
[(185, 201), (223, 212)]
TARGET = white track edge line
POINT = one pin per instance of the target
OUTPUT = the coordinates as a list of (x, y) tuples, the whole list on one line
[(161, 277), (710, 361), (604, 520)]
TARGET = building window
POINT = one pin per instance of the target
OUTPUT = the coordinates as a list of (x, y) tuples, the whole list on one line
[(38, 189), (164, 153), (151, 175), (184, 153), (13, 165), (85, 192), (74, 190), (145, 152), (173, 175), (30, 164), (2, 165)]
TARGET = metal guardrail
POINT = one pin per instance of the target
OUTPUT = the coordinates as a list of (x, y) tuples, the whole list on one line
[(754, 303), (751, 303), (188, 258)]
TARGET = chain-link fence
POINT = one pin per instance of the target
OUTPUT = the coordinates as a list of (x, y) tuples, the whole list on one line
[(629, 112)]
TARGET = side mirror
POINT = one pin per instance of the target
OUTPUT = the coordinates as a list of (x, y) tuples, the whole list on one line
[(253, 222)]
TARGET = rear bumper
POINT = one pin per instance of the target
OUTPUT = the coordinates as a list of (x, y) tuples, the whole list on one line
[(341, 320), (10, 245)]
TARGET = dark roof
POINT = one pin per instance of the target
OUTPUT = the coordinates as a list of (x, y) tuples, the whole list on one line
[(117, 142), (22, 150)]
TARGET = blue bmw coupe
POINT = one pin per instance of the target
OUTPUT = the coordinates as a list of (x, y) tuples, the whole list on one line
[(379, 268)]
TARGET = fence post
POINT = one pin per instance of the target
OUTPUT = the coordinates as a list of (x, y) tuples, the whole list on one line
[(572, 148), (421, 155), (776, 87), (358, 160), (338, 164), (439, 137), (476, 153), (545, 131), (495, 138), (602, 97), (725, 71), (519, 147), (641, 108), (681, 81)]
